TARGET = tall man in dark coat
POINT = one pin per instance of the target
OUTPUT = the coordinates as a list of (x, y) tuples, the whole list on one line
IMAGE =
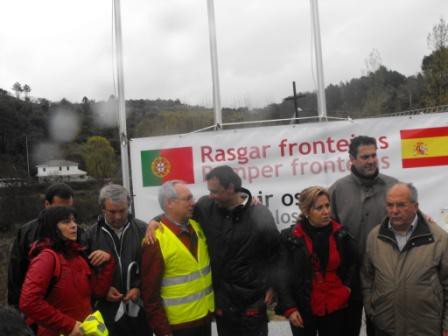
[(357, 202)]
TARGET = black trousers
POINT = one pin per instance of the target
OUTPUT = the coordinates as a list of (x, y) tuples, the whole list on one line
[(379, 332), (352, 327), (329, 325), (203, 330), (135, 326), (241, 325)]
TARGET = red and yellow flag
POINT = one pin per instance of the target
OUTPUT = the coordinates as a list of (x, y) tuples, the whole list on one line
[(424, 147), (161, 165)]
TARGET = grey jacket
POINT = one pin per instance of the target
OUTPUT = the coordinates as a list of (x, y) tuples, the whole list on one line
[(406, 293), (358, 207)]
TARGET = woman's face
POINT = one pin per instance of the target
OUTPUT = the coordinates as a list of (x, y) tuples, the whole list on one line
[(319, 214), (68, 228)]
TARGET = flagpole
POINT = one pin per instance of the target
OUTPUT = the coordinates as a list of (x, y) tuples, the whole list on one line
[(214, 64), (321, 102), (121, 101)]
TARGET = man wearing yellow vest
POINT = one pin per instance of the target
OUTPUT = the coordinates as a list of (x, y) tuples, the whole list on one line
[(176, 276)]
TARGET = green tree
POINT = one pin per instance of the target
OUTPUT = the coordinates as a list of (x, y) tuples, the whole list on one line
[(99, 157), (435, 76), (435, 67)]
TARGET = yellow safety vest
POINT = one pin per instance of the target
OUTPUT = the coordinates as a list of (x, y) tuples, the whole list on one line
[(186, 290)]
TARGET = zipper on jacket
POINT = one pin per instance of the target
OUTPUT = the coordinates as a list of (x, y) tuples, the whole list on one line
[(115, 247)]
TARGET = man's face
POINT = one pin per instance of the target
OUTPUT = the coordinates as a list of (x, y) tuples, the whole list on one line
[(116, 213), (366, 161), (400, 209), (222, 196), (181, 207), (60, 201)]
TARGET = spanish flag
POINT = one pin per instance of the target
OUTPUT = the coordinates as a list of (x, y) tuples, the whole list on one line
[(161, 165), (424, 147)]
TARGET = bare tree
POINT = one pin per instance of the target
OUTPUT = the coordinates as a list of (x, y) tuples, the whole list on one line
[(17, 88), (373, 61), (438, 38), (26, 89)]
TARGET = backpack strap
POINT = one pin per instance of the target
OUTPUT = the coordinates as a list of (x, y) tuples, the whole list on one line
[(56, 273)]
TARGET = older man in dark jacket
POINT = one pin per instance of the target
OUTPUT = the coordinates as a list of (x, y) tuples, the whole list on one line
[(118, 233)]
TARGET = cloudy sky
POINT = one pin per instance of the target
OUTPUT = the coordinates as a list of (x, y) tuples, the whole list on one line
[(63, 48)]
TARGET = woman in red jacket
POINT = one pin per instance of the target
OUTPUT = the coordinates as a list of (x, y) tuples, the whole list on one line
[(317, 269), (59, 284)]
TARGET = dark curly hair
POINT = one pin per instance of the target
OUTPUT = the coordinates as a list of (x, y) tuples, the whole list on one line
[(48, 225)]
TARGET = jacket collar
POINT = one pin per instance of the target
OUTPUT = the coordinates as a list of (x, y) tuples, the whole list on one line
[(360, 181), (421, 235), (239, 208), (294, 234)]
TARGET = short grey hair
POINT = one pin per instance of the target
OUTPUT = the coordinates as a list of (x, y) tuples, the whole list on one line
[(114, 192), (168, 192), (412, 189)]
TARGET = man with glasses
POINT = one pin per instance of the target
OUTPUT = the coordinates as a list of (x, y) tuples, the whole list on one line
[(120, 234), (243, 242), (176, 274), (405, 270)]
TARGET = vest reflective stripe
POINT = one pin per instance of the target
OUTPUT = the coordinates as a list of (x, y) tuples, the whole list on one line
[(185, 278), (187, 299), (186, 288)]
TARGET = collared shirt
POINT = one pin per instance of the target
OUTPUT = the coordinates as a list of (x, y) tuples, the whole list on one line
[(185, 233), (403, 237)]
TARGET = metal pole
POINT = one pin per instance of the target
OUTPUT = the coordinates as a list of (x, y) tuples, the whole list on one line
[(27, 155), (295, 99), (121, 101), (321, 103), (214, 63)]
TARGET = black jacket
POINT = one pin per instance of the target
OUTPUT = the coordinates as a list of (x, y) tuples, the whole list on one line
[(294, 275), (243, 245), (125, 250), (18, 262)]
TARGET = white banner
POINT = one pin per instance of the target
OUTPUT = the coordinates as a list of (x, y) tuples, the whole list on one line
[(276, 163)]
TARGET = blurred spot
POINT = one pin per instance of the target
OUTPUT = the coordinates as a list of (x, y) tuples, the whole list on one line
[(106, 114), (63, 126), (46, 151)]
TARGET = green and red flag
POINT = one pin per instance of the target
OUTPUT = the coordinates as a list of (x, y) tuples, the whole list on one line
[(161, 165)]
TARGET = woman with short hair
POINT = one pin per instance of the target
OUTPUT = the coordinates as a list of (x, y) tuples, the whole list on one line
[(59, 284), (317, 268)]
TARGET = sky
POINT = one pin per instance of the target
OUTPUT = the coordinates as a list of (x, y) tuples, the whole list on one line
[(64, 48)]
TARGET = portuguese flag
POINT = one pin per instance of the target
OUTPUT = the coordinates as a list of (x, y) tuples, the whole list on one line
[(161, 165), (424, 147)]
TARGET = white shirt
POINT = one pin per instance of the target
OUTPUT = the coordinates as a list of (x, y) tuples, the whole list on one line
[(403, 237)]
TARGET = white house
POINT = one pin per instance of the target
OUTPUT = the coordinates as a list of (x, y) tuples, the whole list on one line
[(60, 170)]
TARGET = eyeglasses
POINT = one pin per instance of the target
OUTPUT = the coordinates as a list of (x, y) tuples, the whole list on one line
[(188, 198)]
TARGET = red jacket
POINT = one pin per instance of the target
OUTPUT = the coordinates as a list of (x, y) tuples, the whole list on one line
[(328, 292), (69, 299)]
